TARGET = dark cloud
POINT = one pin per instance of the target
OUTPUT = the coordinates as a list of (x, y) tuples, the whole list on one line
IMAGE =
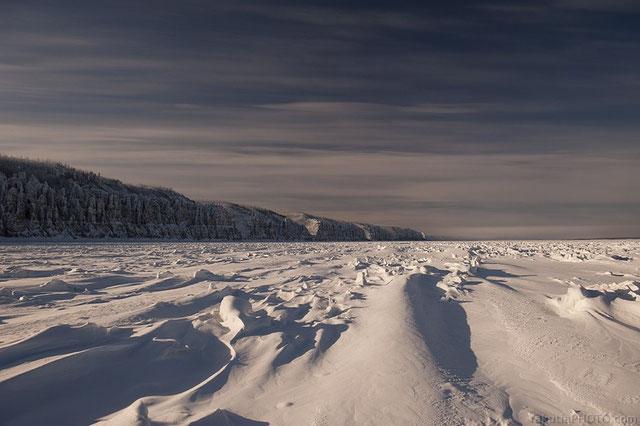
[(459, 117)]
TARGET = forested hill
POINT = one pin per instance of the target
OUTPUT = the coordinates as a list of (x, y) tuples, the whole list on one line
[(42, 199)]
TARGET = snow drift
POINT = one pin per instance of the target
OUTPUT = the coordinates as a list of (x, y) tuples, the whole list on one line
[(498, 333)]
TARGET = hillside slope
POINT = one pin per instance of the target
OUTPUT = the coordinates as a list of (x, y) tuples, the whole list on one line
[(323, 229), (40, 199)]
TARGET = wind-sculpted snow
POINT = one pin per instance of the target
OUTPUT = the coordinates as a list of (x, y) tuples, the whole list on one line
[(320, 333)]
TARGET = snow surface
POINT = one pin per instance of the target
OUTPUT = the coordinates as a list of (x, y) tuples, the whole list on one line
[(320, 333)]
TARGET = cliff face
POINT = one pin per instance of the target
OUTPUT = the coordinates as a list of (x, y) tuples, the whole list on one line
[(323, 229), (40, 199)]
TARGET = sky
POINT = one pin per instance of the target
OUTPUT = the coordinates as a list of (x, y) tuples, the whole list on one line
[(464, 119)]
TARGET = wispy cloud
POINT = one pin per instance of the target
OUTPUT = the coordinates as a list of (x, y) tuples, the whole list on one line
[(600, 5), (422, 114)]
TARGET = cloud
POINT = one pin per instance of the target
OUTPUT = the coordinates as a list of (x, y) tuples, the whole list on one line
[(450, 116), (600, 5), (343, 17)]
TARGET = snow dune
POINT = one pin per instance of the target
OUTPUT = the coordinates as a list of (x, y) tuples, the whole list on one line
[(320, 333)]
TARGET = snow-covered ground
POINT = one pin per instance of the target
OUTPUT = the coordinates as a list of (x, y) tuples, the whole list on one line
[(320, 333)]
